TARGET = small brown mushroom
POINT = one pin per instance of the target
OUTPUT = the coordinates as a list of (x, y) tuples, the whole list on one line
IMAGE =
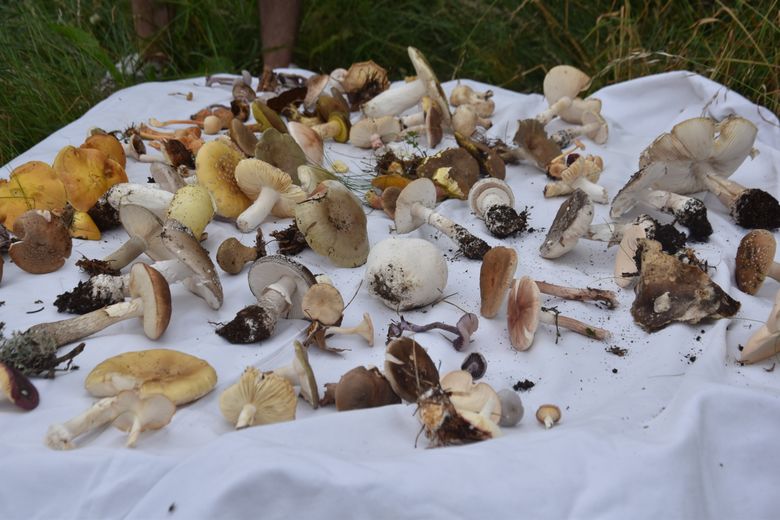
[(232, 255), (44, 243), (361, 388), (409, 369), (17, 388), (755, 260), (548, 415)]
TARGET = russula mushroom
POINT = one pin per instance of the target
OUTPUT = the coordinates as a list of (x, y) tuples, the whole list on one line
[(362, 388), (215, 167), (193, 207), (565, 81), (445, 425), (524, 313), (481, 102), (180, 377), (282, 151), (279, 285), (755, 260), (258, 398), (232, 255), (300, 373), (405, 273), (492, 200), (409, 369), (127, 411), (414, 208), (467, 395), (243, 137), (44, 242), (669, 290), (495, 276), (395, 100), (17, 388), (309, 142), (272, 191), (452, 169), (765, 342), (33, 184), (548, 415), (475, 364), (266, 117), (466, 326), (511, 407), (334, 224)]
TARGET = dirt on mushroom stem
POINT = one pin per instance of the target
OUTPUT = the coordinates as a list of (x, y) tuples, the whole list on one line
[(472, 247), (694, 217), (503, 221), (95, 267), (87, 297), (756, 209), (251, 324), (670, 238), (290, 240)]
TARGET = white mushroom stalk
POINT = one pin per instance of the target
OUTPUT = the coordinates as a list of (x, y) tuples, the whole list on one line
[(593, 126), (554, 110), (364, 329), (479, 101), (396, 99), (133, 153)]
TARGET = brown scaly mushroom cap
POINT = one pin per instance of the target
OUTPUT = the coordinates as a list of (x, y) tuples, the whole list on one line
[(363, 82), (495, 277), (409, 369), (44, 244), (755, 260)]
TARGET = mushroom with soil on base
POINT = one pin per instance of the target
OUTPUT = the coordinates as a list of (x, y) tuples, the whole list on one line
[(446, 425), (492, 200), (232, 255), (669, 290), (626, 269), (414, 208), (16, 388), (258, 398), (44, 242), (127, 411), (405, 273), (272, 190), (755, 260), (524, 313), (358, 389), (453, 170), (279, 285), (300, 373)]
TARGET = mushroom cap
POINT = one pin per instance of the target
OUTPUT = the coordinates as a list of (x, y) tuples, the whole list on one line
[(575, 112), (86, 174), (306, 379), (32, 185), (152, 413), (281, 150), (323, 303), (511, 407), (409, 369), (272, 397), (215, 165), (533, 139), (109, 145), (269, 269), (495, 276), (523, 312), (625, 261), (334, 224), (142, 224), (44, 244), (548, 411), (420, 191), (149, 285), (570, 223), (493, 187), (432, 86), (362, 73), (564, 81), (364, 387), (755, 256), (243, 137), (406, 273), (254, 176), (388, 128), (765, 342), (315, 85), (204, 280), (265, 116), (180, 377), (308, 140), (17, 388), (433, 122), (466, 395), (193, 206), (475, 364), (454, 169)]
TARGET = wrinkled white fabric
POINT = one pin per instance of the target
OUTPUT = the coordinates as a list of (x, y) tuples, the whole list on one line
[(653, 434)]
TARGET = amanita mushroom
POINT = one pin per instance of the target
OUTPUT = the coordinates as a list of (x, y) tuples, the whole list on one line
[(44, 242), (524, 313), (414, 208), (755, 260), (258, 398)]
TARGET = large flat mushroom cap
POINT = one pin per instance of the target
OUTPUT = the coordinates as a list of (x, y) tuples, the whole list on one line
[(495, 276), (32, 185), (180, 377), (334, 224), (269, 269), (183, 245), (420, 191), (755, 256), (564, 81), (523, 312), (149, 285), (44, 243), (570, 223)]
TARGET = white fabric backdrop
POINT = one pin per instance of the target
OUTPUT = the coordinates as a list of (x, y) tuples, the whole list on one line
[(661, 437)]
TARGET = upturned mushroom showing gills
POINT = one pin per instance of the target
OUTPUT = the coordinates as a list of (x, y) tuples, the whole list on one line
[(44, 242), (279, 285), (492, 200), (258, 398), (409, 369), (334, 224), (524, 313), (755, 260), (272, 191), (495, 276), (406, 273), (301, 374), (414, 208), (669, 290)]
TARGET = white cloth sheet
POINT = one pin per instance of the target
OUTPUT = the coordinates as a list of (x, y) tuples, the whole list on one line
[(653, 434)]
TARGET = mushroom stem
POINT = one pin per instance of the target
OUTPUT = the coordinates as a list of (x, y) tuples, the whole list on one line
[(413, 120), (552, 318), (395, 100), (565, 136), (610, 232), (596, 192), (726, 190), (135, 431), (327, 130), (556, 108), (471, 246), (156, 123), (260, 208), (246, 417), (60, 436), (608, 298), (690, 212), (364, 329), (127, 252), (774, 271)]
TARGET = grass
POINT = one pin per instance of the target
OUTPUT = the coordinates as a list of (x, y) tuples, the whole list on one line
[(54, 53)]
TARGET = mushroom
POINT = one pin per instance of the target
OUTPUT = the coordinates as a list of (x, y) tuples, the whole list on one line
[(33, 184), (445, 425), (475, 364), (405, 273), (232, 255), (144, 229), (334, 224), (492, 200), (272, 191), (626, 268), (524, 313), (336, 128), (395, 100), (373, 132), (580, 174), (300, 373), (215, 167), (495, 276), (467, 395), (151, 301), (765, 342), (193, 207), (282, 151), (180, 377), (481, 102), (490, 162), (309, 142), (317, 85), (548, 415), (463, 329), (44, 243), (149, 196), (755, 260), (466, 119), (361, 388), (109, 145), (511, 407), (409, 369), (427, 122), (127, 411), (258, 398), (363, 82), (244, 138), (565, 81), (533, 144), (266, 117), (167, 177), (364, 329), (593, 126), (279, 285), (608, 298), (414, 208), (323, 303), (87, 174), (571, 222), (17, 388), (452, 169)]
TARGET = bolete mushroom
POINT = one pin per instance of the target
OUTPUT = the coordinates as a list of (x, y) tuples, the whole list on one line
[(258, 398), (44, 242), (452, 169), (755, 260)]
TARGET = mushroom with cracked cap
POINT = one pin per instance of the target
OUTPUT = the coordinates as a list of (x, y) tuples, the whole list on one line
[(258, 398)]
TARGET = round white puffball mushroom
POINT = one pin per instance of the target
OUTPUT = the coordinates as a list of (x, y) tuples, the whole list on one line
[(406, 273)]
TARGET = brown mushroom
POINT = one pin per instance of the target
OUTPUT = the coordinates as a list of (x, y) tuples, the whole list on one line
[(755, 260), (44, 243)]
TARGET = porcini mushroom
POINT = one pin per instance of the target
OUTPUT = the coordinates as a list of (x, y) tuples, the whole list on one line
[(44, 242), (258, 398), (755, 260)]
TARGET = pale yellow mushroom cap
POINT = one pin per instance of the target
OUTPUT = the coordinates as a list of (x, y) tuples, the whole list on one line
[(254, 175), (194, 207), (258, 398), (215, 165)]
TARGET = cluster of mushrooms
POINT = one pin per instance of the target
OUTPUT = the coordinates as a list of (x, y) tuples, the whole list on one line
[(269, 161)]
